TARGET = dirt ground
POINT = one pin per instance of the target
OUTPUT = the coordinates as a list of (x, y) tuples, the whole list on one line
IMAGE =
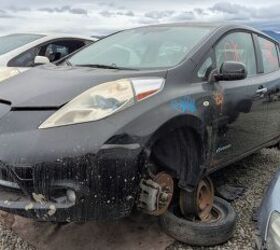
[(253, 173)]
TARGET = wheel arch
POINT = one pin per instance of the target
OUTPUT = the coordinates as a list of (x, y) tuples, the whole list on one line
[(194, 125)]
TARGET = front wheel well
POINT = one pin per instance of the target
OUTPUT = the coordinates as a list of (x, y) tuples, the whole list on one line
[(182, 153)]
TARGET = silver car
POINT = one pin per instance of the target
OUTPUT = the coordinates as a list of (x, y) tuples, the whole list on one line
[(268, 237)]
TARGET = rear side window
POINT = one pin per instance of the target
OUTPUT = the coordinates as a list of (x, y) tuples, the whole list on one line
[(237, 47), (269, 55), (55, 50)]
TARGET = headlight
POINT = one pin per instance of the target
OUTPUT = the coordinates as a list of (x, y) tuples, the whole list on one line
[(6, 73), (103, 100), (273, 232)]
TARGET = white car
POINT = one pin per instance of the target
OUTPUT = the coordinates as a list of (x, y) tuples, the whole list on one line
[(20, 52)]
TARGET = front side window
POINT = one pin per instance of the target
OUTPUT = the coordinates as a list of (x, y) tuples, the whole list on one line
[(204, 69), (151, 47), (25, 59), (237, 47), (269, 55), (55, 50), (14, 41)]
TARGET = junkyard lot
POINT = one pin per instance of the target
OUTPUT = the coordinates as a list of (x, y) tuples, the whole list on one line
[(254, 173)]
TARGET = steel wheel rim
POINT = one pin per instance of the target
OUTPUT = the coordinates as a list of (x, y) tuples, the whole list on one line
[(205, 198), (199, 204)]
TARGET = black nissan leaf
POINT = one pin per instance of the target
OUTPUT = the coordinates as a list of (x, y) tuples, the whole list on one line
[(139, 120)]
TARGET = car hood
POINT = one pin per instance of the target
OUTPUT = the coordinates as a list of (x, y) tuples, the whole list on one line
[(8, 72), (53, 86)]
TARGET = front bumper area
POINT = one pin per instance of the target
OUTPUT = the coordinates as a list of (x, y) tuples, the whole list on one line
[(105, 186), (22, 205)]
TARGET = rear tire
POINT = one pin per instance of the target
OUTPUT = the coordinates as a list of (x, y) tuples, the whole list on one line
[(217, 231)]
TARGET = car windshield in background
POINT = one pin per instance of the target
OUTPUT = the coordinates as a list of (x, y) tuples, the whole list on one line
[(14, 41), (152, 47)]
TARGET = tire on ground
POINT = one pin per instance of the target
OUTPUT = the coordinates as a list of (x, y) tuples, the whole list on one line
[(202, 233)]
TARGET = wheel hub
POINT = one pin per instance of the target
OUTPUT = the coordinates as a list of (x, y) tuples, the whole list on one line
[(156, 194), (199, 203)]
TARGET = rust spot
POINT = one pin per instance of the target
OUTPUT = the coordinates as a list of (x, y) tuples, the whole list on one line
[(219, 98)]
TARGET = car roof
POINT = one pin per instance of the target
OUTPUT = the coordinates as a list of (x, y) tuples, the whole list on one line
[(57, 35), (49, 36), (213, 25), (200, 24)]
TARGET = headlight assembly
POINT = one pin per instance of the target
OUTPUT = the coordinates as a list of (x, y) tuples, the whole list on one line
[(6, 73), (104, 100), (273, 232)]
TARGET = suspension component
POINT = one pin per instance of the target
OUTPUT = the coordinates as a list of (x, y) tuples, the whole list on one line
[(156, 194)]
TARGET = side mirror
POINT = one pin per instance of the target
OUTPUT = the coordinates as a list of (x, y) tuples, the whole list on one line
[(230, 71), (40, 60), (233, 71)]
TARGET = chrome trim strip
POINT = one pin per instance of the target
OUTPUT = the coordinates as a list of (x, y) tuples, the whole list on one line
[(133, 146), (9, 184)]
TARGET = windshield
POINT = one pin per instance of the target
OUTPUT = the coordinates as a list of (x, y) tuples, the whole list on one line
[(11, 42), (152, 47)]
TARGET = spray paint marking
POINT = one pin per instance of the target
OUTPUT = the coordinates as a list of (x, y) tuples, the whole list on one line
[(184, 104)]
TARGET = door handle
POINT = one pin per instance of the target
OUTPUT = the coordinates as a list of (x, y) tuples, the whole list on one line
[(262, 91)]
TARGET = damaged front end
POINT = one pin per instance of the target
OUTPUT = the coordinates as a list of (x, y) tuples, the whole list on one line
[(92, 187)]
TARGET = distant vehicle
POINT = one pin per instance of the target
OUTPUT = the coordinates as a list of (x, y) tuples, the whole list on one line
[(23, 51), (269, 217)]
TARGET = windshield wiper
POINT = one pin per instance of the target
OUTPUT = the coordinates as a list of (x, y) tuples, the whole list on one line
[(68, 62), (103, 66)]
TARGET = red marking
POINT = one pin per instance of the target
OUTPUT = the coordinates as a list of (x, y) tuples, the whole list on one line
[(141, 96), (233, 53), (268, 50)]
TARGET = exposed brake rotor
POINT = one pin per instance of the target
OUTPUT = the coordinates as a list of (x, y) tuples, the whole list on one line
[(156, 194)]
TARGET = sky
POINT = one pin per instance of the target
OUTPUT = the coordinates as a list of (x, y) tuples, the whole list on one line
[(101, 17)]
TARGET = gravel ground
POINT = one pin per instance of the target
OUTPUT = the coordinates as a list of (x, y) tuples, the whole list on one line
[(254, 173), (10, 241)]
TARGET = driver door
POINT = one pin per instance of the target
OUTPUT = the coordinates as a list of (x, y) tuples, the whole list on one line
[(241, 105)]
